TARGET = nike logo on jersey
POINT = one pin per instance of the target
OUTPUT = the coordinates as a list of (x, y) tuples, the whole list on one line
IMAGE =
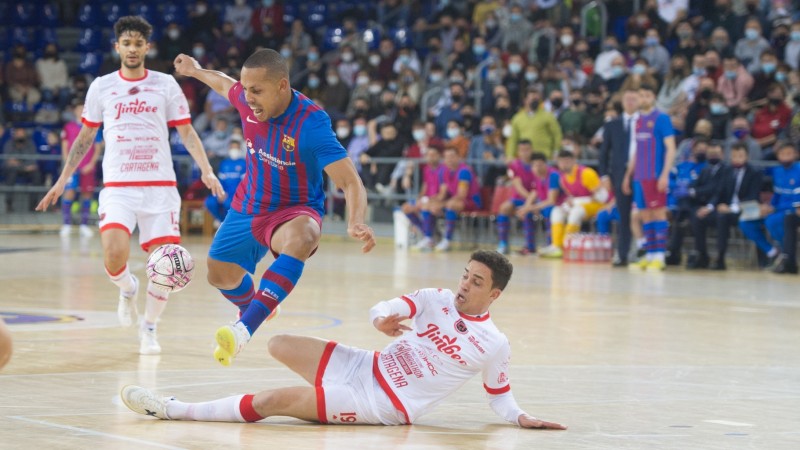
[(251, 120)]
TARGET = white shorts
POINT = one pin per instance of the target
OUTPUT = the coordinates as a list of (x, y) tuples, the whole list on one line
[(155, 209), (347, 391)]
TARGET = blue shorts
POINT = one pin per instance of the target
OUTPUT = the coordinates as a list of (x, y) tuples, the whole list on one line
[(243, 239), (546, 212), (517, 202), (235, 242)]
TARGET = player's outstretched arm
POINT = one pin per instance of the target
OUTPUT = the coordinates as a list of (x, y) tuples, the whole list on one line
[(79, 148), (527, 421), (195, 148), (344, 176), (391, 325), (218, 81)]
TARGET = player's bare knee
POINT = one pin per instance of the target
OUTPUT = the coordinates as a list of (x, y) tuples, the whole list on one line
[(506, 209), (278, 346)]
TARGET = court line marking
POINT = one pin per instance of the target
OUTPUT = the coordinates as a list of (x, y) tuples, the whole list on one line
[(94, 433), (729, 422)]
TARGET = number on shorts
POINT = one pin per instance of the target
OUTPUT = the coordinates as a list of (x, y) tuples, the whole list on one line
[(347, 417)]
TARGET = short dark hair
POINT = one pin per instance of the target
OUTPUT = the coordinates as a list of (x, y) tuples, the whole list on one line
[(565, 154), (739, 146), (646, 86), (133, 24), (268, 59), (538, 156), (524, 142), (784, 145), (499, 265)]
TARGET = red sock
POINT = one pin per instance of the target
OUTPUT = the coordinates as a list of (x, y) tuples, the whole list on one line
[(246, 409)]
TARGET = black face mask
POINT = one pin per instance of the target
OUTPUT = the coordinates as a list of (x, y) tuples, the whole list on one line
[(502, 111), (788, 164), (19, 140), (457, 98), (535, 104), (714, 161), (705, 94), (557, 103), (775, 101), (711, 70), (593, 105), (700, 157)]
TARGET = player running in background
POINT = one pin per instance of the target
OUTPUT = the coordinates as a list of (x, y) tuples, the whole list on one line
[(652, 156), (136, 107), (451, 339), (280, 203), (84, 181)]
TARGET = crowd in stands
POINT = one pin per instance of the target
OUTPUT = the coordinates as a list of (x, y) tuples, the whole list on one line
[(495, 86)]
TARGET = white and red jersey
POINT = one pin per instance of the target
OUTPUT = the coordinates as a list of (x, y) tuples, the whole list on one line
[(443, 351), (136, 114)]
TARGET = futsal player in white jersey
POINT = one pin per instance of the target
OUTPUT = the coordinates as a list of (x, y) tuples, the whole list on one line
[(136, 106), (452, 339)]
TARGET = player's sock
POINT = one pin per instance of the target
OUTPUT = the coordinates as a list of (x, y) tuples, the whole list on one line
[(66, 211), (277, 282), (86, 205), (660, 236), (428, 222), (650, 238), (572, 229), (155, 305), (122, 279), (416, 221), (557, 232), (450, 219), (641, 243), (529, 226), (238, 408), (503, 224), (242, 295)]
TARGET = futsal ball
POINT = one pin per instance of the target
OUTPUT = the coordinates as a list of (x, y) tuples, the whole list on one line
[(170, 268)]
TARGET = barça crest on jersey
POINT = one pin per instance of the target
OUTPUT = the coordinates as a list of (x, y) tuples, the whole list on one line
[(288, 143), (461, 327)]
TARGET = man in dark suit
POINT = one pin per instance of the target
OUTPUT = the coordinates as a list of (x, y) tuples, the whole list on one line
[(719, 191), (614, 153)]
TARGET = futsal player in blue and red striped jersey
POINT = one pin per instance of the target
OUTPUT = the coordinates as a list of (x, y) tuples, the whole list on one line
[(279, 204), (652, 156)]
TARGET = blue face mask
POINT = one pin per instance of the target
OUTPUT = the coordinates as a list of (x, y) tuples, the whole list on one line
[(478, 50), (752, 34), (267, 3), (360, 130), (651, 42), (514, 67), (286, 53), (515, 17), (617, 71), (780, 76), (639, 69), (313, 83), (730, 74), (717, 108), (740, 133), (768, 68), (487, 130), (312, 56), (795, 36)]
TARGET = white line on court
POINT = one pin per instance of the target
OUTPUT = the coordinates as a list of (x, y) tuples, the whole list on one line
[(94, 433), (731, 423)]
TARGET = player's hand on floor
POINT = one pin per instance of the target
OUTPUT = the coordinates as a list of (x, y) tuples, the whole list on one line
[(51, 198), (212, 182), (363, 233), (391, 325), (526, 421)]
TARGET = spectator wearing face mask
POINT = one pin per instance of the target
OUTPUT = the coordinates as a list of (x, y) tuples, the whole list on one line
[(785, 201), (485, 149), (772, 119), (604, 60), (514, 80), (348, 66), (791, 53), (390, 145), (639, 73), (735, 83), (267, 20), (763, 78), (173, 42), (52, 72), (239, 14), (701, 107), (573, 116), (216, 143), (230, 173), (679, 202), (21, 78), (719, 116), (203, 23), (749, 48), (519, 30), (359, 142), (456, 138), (14, 168), (535, 124), (299, 40), (336, 94), (740, 135), (655, 54)]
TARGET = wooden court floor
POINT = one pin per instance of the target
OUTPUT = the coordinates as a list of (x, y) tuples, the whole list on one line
[(677, 360)]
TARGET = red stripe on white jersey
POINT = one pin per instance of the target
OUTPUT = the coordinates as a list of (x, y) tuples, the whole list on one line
[(497, 391), (411, 305), (140, 184), (175, 123), (91, 124)]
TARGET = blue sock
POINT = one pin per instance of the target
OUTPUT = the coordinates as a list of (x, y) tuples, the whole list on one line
[(428, 222), (649, 236), (660, 234), (450, 218), (86, 205), (503, 224), (277, 282), (242, 295)]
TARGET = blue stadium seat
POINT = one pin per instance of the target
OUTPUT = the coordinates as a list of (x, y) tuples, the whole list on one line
[(19, 35), (175, 13), (90, 40), (90, 63), (88, 15), (46, 36), (401, 37), (317, 15), (372, 37), (148, 12), (5, 16), (49, 16), (333, 36), (114, 12), (23, 15)]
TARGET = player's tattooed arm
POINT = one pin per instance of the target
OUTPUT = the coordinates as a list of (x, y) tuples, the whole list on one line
[(79, 148)]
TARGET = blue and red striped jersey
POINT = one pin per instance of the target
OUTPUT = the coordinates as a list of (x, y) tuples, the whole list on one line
[(651, 130), (285, 156)]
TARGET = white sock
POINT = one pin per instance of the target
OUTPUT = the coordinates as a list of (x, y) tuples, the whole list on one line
[(122, 279), (222, 410), (658, 256), (640, 243), (773, 252), (649, 256), (156, 302)]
